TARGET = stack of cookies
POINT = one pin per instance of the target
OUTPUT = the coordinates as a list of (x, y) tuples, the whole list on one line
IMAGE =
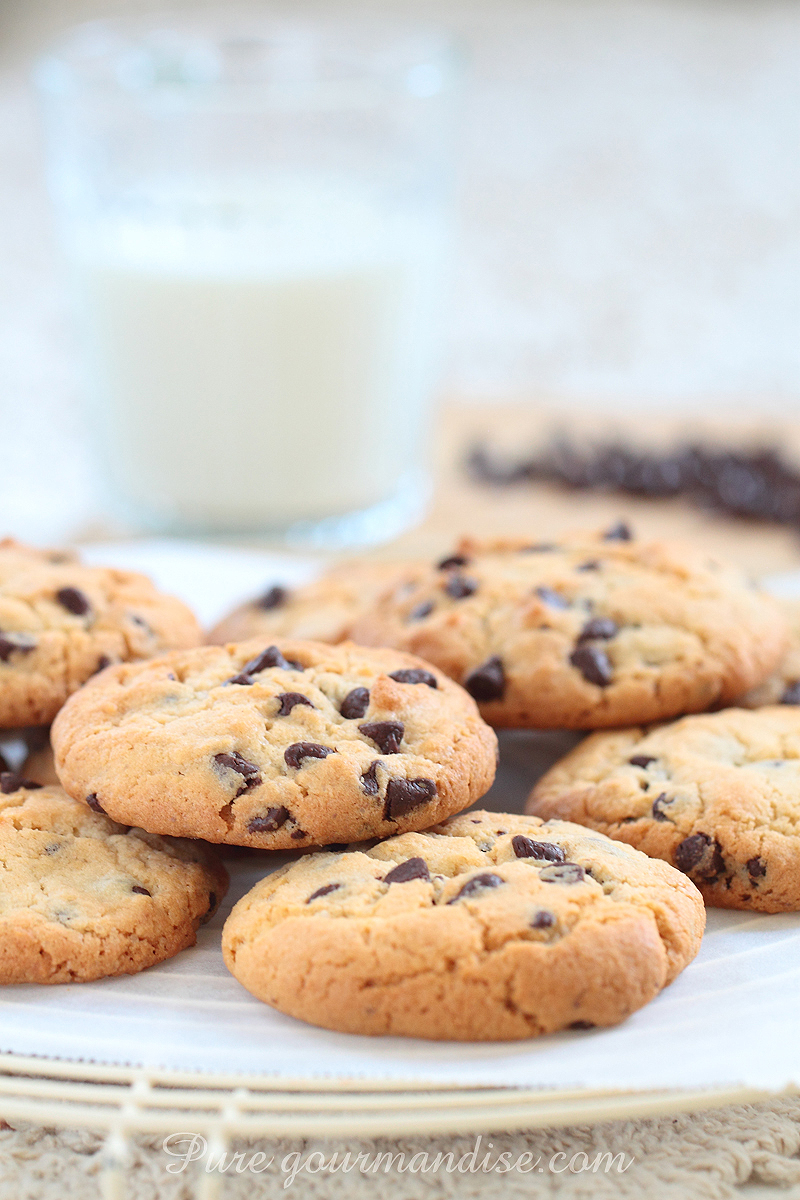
[(351, 720)]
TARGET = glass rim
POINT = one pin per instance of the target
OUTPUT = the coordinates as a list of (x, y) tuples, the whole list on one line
[(247, 55)]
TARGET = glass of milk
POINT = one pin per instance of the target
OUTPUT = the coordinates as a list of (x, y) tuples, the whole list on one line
[(255, 218)]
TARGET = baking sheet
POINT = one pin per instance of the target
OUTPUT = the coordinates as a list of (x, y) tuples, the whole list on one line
[(733, 1017)]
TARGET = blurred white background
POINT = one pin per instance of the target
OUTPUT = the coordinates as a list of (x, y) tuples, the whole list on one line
[(629, 208)]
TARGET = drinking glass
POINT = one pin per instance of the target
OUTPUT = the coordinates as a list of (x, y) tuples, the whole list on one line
[(255, 218)]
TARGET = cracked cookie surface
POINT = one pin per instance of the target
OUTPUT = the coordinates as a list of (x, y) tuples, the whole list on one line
[(60, 622), (491, 926), (585, 632), (294, 744), (716, 794), (82, 897), (323, 610)]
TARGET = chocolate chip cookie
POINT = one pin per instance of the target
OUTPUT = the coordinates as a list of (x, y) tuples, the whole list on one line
[(82, 897), (284, 746), (323, 610), (489, 927), (587, 631), (717, 795), (60, 622), (783, 685)]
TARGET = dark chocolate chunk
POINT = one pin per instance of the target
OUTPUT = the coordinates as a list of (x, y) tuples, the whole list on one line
[(272, 819), (591, 564), (756, 868), (298, 835), (791, 694), (293, 755), (455, 560), (15, 643), (701, 856), (355, 704), (660, 805), (289, 700), (420, 611), (403, 795), (552, 598), (140, 891), (250, 773), (414, 675), (487, 682), (94, 803), (404, 872), (74, 601), (478, 883), (274, 597), (325, 890), (542, 920), (566, 872), (387, 735), (458, 587), (525, 847), (598, 627), (641, 760), (271, 657), (583, 1025), (369, 780), (621, 532), (593, 664), (12, 781)]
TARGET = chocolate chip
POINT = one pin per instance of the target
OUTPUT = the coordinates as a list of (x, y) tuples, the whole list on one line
[(593, 664), (12, 781), (19, 643), (525, 847), (591, 565), (598, 627), (403, 795), (659, 807), (271, 657), (621, 532), (325, 890), (567, 872), (298, 835), (791, 694), (487, 682), (582, 1025), (554, 599), (641, 760), (94, 803), (478, 883), (355, 704), (249, 771), (74, 601), (275, 597), (273, 819), (404, 872), (103, 662), (293, 755), (369, 780), (414, 675), (420, 611), (756, 868), (460, 586), (542, 920), (700, 855), (455, 560), (289, 700), (387, 735), (140, 891)]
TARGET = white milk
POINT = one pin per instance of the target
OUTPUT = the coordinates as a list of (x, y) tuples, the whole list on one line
[(256, 371)]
